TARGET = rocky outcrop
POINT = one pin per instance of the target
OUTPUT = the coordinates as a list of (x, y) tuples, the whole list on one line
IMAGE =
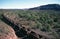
[(6, 32)]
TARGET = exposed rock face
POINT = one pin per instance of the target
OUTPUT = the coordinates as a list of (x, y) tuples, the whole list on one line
[(6, 32)]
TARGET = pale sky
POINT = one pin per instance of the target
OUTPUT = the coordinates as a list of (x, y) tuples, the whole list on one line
[(22, 4)]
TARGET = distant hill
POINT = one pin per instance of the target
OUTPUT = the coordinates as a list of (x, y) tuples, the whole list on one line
[(47, 7)]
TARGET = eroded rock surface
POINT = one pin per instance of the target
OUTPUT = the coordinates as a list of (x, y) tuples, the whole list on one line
[(6, 32)]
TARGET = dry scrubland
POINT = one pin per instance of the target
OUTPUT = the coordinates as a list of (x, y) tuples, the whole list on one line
[(43, 21)]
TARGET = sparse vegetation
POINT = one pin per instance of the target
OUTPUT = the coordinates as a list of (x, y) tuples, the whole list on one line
[(44, 20)]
